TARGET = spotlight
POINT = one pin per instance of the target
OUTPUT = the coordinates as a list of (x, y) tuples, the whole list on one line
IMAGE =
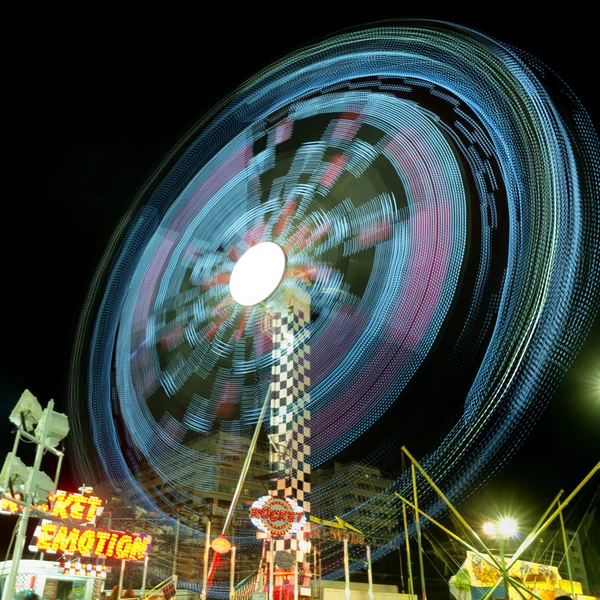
[(43, 486), (14, 473), (27, 411), (58, 427)]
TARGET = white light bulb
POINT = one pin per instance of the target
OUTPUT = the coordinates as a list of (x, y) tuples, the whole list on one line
[(507, 527), (257, 274)]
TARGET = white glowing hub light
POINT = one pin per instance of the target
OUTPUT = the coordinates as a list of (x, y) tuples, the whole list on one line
[(257, 273), (505, 528)]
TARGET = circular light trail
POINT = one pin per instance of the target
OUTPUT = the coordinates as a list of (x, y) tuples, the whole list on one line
[(424, 182), (257, 273)]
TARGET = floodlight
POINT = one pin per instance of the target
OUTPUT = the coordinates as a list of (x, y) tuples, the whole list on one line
[(27, 411), (58, 427), (43, 486), (489, 529), (507, 527), (256, 275), (14, 472)]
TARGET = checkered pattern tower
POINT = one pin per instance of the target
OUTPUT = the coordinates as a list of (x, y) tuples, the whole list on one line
[(290, 415)]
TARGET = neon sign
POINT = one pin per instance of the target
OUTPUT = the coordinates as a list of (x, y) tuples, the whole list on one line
[(9, 505), (53, 537), (277, 516), (62, 505)]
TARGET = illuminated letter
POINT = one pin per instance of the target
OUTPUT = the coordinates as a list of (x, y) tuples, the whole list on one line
[(95, 504), (71, 541), (110, 548), (61, 503), (86, 541), (102, 537), (77, 506), (255, 512), (123, 548), (265, 512), (139, 548), (44, 540)]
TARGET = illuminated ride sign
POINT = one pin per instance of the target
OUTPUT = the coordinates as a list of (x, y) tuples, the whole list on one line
[(53, 537), (277, 516), (76, 536), (61, 505)]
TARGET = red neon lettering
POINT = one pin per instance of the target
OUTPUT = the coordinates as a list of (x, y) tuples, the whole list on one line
[(265, 512), (255, 514), (299, 517), (275, 515), (291, 516)]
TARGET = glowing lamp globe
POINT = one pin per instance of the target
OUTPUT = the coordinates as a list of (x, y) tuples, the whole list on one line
[(257, 273), (221, 545), (489, 529), (507, 527)]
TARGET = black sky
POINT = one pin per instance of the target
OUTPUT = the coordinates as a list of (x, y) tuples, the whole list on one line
[(89, 109)]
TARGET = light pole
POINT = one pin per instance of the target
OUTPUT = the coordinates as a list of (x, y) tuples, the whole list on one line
[(49, 429), (504, 529)]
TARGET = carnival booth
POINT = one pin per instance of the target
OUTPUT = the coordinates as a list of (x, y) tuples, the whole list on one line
[(52, 580)]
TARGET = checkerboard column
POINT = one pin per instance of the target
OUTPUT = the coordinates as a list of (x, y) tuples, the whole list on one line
[(290, 416)]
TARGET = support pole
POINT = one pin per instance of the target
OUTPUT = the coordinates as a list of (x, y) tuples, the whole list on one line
[(346, 569), (271, 567), (144, 576), (9, 586), (176, 549), (401, 569), (484, 557), (411, 587), (314, 578), (205, 566), (296, 595), (320, 576), (121, 576), (534, 534), (370, 573), (566, 545), (232, 574), (418, 529), (504, 569), (446, 501), (246, 465)]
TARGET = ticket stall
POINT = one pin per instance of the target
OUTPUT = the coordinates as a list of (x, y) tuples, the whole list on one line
[(52, 580)]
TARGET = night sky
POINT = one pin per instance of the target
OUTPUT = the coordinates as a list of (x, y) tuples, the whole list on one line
[(86, 116)]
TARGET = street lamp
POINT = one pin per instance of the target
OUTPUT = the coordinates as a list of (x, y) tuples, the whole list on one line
[(504, 529)]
